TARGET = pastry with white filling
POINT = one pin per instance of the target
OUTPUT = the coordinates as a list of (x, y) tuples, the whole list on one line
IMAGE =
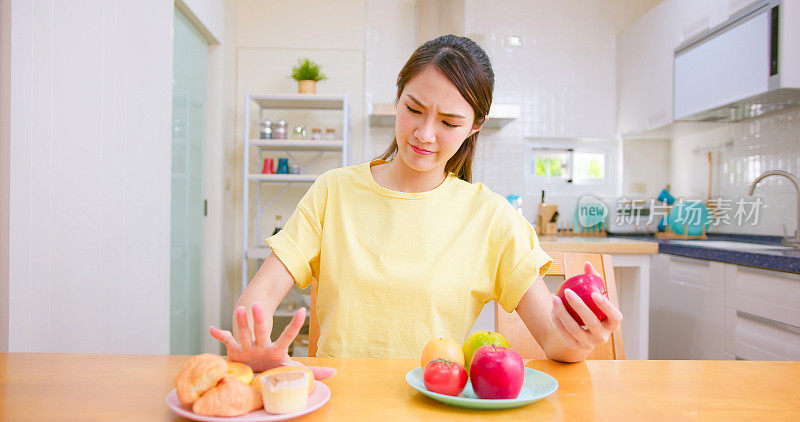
[(285, 392)]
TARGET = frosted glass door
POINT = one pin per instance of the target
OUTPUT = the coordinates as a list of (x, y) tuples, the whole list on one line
[(188, 202)]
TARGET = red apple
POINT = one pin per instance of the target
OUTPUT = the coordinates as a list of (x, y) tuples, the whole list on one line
[(496, 372), (584, 285), (445, 377)]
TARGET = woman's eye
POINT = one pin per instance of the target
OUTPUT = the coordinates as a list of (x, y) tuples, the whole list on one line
[(419, 112)]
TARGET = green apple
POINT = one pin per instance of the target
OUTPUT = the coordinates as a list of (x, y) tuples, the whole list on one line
[(478, 339)]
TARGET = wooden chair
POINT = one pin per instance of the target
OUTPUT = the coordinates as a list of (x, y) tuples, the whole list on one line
[(313, 322), (564, 264)]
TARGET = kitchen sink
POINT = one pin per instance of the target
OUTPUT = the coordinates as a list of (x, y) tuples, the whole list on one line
[(726, 244)]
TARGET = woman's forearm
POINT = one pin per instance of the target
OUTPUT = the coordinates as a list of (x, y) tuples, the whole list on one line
[(268, 287), (557, 349)]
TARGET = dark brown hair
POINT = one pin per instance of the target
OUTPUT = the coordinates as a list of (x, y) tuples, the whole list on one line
[(467, 66)]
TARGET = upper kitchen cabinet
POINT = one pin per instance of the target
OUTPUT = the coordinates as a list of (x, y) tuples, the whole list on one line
[(695, 17), (646, 56), (644, 70), (646, 66), (790, 43)]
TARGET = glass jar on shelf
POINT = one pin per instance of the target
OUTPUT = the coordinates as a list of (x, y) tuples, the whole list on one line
[(330, 134), (299, 133), (316, 134), (266, 129), (280, 131)]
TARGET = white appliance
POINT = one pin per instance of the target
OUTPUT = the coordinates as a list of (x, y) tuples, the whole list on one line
[(633, 216), (742, 68)]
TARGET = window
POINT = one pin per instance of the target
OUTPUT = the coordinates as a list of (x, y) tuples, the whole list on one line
[(573, 166), (552, 164), (589, 167)]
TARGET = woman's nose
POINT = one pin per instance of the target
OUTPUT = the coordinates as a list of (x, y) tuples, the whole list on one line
[(425, 132)]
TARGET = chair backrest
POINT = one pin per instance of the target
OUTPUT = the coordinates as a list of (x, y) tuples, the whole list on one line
[(313, 322), (565, 264)]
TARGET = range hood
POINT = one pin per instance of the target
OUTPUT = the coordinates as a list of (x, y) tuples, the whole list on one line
[(734, 71)]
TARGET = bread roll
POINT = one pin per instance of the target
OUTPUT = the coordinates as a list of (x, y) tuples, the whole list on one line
[(230, 397), (240, 371), (198, 375)]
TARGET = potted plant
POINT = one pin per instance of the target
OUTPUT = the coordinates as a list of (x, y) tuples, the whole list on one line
[(307, 73)]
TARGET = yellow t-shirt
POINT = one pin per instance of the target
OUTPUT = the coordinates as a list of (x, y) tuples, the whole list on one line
[(396, 269)]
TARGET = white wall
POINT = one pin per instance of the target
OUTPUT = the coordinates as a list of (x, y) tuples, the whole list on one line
[(5, 163), (646, 167), (207, 15), (391, 38), (90, 152), (90, 142)]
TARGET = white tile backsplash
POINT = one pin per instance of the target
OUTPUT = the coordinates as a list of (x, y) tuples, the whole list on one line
[(740, 152)]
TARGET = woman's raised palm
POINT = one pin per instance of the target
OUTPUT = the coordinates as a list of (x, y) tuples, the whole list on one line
[(260, 353)]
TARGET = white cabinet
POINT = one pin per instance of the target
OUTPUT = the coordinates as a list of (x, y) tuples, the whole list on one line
[(687, 308), (703, 309), (645, 54), (762, 319), (695, 17), (644, 70)]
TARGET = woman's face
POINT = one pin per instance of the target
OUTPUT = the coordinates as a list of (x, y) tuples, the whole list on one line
[(433, 119)]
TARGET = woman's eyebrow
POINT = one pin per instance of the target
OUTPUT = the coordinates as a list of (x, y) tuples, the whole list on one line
[(457, 116)]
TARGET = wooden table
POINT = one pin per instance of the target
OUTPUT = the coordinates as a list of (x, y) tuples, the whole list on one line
[(47, 387)]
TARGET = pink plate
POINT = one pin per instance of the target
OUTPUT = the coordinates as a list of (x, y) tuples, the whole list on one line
[(320, 396)]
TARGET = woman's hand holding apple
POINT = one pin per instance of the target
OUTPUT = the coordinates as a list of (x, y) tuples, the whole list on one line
[(598, 329)]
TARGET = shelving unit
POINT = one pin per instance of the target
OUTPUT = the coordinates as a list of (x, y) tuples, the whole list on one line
[(251, 176)]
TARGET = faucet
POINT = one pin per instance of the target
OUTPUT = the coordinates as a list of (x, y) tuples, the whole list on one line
[(793, 241)]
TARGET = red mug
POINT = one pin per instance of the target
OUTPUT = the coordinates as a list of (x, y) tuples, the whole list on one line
[(268, 166)]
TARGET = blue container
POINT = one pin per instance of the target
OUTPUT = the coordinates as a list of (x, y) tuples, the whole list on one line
[(692, 215), (666, 197), (283, 166)]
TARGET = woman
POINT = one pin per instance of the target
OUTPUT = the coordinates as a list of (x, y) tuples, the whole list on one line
[(408, 249)]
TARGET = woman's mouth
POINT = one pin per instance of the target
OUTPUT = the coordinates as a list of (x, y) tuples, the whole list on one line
[(421, 151)]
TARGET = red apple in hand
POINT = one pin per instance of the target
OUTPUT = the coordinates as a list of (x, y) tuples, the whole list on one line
[(496, 373), (584, 285)]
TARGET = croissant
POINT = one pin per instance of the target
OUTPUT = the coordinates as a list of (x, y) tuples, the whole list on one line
[(199, 374), (230, 397)]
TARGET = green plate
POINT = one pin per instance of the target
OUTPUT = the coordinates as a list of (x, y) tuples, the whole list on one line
[(536, 386)]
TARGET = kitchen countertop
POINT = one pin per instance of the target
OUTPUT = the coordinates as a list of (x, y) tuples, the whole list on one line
[(598, 244), (771, 259), (82, 387)]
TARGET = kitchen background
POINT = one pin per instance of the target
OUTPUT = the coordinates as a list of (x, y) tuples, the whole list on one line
[(85, 155)]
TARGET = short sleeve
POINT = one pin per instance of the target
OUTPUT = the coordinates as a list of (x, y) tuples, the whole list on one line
[(297, 245), (521, 260)]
